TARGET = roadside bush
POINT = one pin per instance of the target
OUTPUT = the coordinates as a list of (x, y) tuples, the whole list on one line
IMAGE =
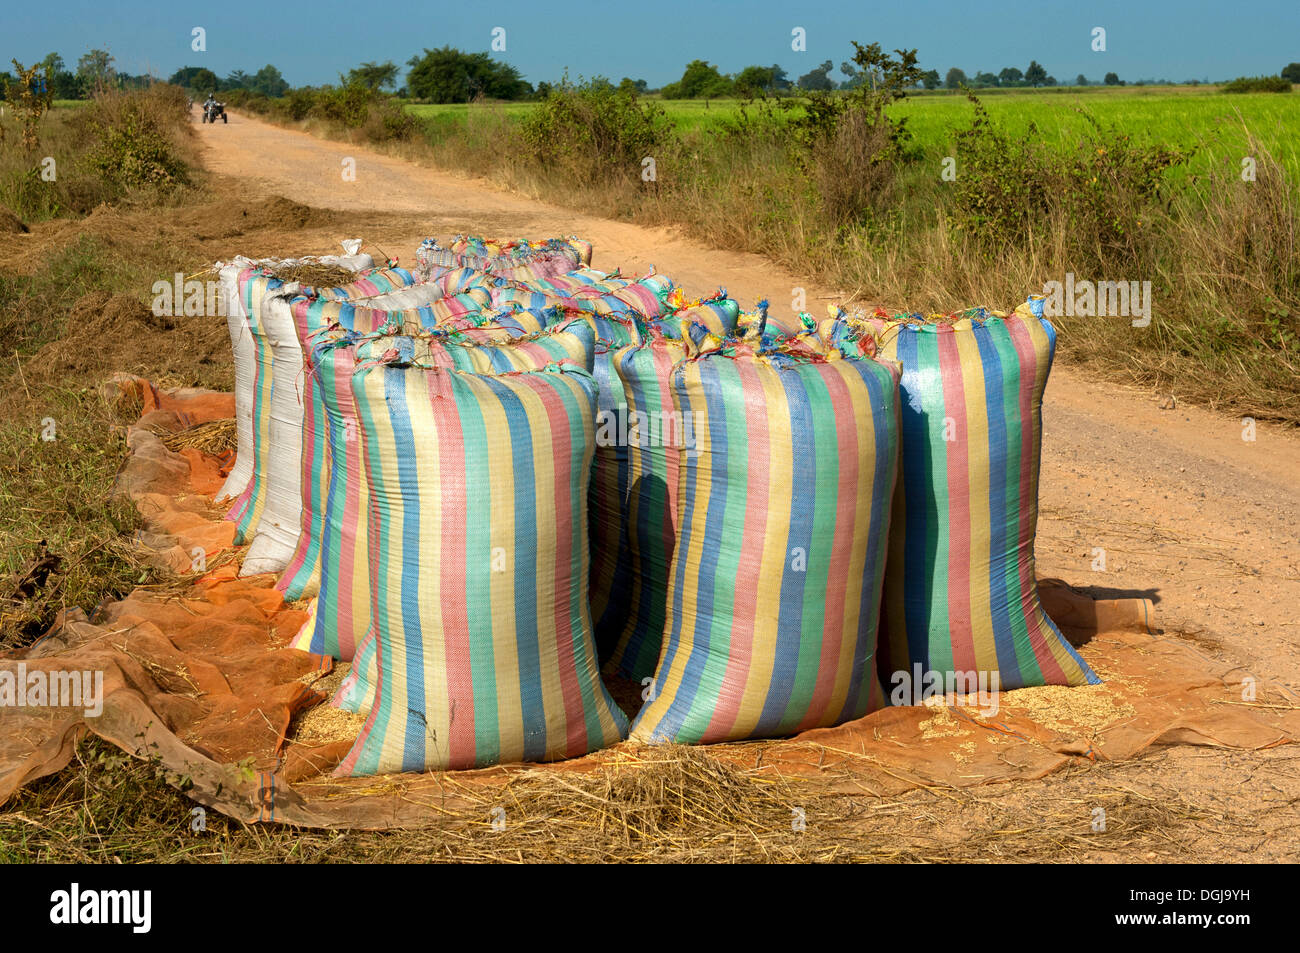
[(851, 148), (595, 129), (1100, 198), (134, 138)]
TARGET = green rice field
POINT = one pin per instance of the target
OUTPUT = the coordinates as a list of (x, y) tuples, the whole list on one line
[(1198, 118)]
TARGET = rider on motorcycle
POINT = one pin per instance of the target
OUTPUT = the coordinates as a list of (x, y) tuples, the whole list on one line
[(207, 103)]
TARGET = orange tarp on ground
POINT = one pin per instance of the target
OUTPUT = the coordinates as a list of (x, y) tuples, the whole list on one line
[(199, 676)]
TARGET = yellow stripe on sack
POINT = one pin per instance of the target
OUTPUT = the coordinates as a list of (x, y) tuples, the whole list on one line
[(776, 548), (977, 478)]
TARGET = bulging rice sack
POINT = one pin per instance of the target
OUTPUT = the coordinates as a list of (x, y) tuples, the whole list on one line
[(503, 259), (783, 514), (280, 486), (610, 477), (414, 307), (244, 351), (256, 283), (478, 543), (961, 594), (338, 619)]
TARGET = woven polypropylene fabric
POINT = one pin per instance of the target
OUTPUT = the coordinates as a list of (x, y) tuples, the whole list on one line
[(338, 619), (656, 436), (256, 284), (411, 307), (243, 349), (961, 594), (478, 550), (782, 513)]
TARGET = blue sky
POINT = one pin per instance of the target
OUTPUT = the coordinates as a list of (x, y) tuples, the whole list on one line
[(654, 39)]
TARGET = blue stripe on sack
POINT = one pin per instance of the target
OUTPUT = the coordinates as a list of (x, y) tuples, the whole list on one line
[(634, 385), (914, 434), (532, 704), (705, 613), (996, 379), (870, 609), (789, 630), (407, 454)]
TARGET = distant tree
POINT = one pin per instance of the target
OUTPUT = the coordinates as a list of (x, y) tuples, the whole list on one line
[(268, 82), (237, 79), (984, 80), (954, 78), (95, 70), (754, 79), (373, 75), (1011, 77), (930, 79), (1080, 80), (53, 63), (854, 77), (780, 80), (1050, 81), (198, 78), (1035, 75), (1291, 73), (818, 78), (701, 80), (1112, 79), (636, 87), (446, 75)]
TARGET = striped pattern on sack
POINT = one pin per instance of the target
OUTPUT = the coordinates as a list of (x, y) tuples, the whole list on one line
[(478, 550), (783, 515), (961, 594), (255, 284), (410, 307), (656, 435), (611, 477), (634, 298), (338, 618), (508, 259)]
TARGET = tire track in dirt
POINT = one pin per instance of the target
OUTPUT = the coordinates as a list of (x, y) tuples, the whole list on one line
[(1186, 511)]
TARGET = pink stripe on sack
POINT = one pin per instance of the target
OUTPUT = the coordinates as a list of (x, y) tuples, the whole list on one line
[(454, 612), (960, 625)]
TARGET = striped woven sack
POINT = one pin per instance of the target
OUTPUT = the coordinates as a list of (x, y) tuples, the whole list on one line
[(243, 349), (503, 259), (783, 514), (646, 297), (611, 478), (256, 283), (418, 306), (278, 530), (340, 615), (961, 595), (478, 547)]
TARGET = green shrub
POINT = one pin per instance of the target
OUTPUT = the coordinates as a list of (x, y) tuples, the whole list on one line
[(596, 129), (134, 136), (1257, 84)]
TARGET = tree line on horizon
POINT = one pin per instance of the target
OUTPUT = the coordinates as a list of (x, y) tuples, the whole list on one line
[(449, 75)]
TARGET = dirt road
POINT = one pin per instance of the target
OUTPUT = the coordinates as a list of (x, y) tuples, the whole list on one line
[(1183, 509)]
